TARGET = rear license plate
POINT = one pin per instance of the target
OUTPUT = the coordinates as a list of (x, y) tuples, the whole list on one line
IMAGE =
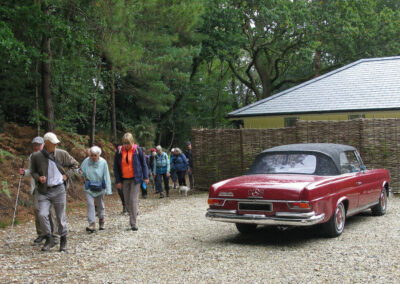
[(253, 206)]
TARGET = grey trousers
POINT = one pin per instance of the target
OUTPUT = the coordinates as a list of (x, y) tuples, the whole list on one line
[(91, 209), (58, 198), (52, 217), (131, 195)]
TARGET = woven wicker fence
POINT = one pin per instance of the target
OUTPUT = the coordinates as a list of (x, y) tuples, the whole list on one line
[(224, 153)]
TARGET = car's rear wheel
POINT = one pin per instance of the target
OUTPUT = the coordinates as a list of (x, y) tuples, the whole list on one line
[(335, 226), (246, 228), (380, 208)]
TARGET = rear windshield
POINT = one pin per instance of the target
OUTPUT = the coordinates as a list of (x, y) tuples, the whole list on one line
[(293, 163)]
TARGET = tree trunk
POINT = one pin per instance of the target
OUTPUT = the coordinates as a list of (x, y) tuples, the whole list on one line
[(317, 62), (46, 81), (37, 98), (262, 70), (173, 135), (93, 126), (94, 104), (113, 114)]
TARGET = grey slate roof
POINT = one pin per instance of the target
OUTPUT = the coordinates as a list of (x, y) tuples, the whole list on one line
[(367, 84)]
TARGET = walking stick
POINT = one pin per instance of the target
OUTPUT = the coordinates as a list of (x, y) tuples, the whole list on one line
[(16, 201)]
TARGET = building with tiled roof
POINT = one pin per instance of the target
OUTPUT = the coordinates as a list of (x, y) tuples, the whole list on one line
[(367, 88)]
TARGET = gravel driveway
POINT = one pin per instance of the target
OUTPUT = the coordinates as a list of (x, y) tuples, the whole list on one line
[(176, 244)]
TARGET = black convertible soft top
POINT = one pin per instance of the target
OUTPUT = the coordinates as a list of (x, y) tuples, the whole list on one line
[(330, 149)]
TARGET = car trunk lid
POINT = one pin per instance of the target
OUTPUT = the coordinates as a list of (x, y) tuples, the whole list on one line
[(270, 187)]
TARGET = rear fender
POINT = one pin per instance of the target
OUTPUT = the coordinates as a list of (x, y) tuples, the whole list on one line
[(334, 205), (345, 202)]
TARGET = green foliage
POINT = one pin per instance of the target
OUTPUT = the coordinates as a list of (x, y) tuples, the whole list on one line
[(5, 190), (178, 64), (4, 154)]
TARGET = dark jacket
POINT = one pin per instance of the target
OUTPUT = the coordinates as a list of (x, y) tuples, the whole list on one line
[(188, 154), (140, 169), (180, 163), (151, 163), (66, 164)]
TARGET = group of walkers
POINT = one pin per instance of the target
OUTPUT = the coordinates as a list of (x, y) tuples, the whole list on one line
[(51, 170), (175, 167)]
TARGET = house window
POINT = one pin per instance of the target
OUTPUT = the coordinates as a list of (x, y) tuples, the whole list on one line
[(291, 121), (356, 116)]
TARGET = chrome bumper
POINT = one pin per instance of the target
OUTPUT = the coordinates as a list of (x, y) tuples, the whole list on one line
[(280, 219)]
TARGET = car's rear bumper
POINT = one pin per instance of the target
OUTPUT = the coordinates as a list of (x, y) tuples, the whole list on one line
[(280, 219)]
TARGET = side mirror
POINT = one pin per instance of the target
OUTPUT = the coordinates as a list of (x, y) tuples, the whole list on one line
[(363, 168)]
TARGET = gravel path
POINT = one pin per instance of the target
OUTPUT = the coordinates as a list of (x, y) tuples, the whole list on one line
[(176, 244)]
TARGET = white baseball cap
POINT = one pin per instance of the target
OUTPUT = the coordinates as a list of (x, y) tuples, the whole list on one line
[(50, 136), (38, 140)]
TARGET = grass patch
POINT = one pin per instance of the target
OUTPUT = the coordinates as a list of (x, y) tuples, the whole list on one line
[(3, 224)]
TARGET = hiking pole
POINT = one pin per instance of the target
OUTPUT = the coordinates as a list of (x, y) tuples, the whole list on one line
[(16, 200)]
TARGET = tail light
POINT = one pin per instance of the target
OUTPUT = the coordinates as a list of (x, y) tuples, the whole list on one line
[(304, 205), (216, 202)]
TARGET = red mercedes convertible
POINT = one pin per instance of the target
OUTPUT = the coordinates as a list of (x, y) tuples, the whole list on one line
[(301, 185)]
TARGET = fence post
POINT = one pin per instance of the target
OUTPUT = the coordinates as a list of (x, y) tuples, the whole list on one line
[(242, 164)]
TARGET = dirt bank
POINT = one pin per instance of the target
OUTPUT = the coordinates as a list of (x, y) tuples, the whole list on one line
[(15, 146)]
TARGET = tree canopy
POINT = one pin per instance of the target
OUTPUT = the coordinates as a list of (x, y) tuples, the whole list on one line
[(158, 68)]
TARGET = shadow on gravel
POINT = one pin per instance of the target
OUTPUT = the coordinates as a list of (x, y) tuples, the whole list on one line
[(293, 236)]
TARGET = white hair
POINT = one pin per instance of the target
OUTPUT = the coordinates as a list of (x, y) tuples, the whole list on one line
[(158, 147), (95, 150)]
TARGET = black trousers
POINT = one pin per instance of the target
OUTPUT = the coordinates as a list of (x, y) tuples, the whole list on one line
[(159, 178), (121, 196), (181, 178)]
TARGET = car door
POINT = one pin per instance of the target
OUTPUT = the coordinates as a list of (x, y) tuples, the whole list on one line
[(364, 181), (350, 181)]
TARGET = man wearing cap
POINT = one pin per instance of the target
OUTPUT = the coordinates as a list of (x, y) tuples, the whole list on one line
[(37, 144), (52, 169), (161, 169), (188, 154)]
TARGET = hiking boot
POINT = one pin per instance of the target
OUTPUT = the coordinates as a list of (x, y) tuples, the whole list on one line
[(63, 243), (167, 193), (124, 210), (161, 195), (91, 228), (101, 224), (134, 228), (49, 243), (55, 239), (39, 239)]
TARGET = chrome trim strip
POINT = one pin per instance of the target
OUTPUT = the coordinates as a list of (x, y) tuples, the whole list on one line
[(260, 219), (222, 211), (362, 208), (257, 200), (295, 215)]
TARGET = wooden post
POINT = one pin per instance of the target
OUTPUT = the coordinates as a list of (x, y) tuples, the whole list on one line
[(242, 163)]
